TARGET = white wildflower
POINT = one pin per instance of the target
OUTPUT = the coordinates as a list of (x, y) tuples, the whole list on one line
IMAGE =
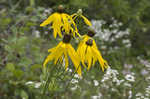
[(76, 76), (29, 83), (37, 85), (127, 84), (130, 94), (96, 83), (97, 96), (138, 94), (73, 81), (74, 88), (128, 45), (130, 78)]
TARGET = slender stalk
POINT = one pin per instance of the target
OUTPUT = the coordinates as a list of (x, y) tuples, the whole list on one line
[(47, 82), (72, 77)]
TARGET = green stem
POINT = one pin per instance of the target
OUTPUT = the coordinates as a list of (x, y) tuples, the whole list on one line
[(47, 82), (72, 77)]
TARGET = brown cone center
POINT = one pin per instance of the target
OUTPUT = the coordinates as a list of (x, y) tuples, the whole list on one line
[(66, 38)]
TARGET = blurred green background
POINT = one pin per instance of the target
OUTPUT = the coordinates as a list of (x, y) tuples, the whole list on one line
[(123, 37)]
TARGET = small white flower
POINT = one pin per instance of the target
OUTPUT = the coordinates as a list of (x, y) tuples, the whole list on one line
[(114, 90), (73, 81), (127, 84), (70, 70), (119, 82), (37, 85), (126, 41), (128, 45), (138, 98), (76, 76), (147, 95), (36, 33), (130, 78), (29, 83), (46, 32), (148, 78), (120, 24), (146, 98), (148, 90), (138, 94), (95, 97), (130, 94), (96, 83), (74, 88)]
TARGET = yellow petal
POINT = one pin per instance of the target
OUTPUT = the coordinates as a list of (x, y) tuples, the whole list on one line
[(81, 52), (86, 20), (89, 57), (53, 49), (94, 60), (55, 53), (74, 16), (57, 24), (102, 62), (66, 24), (59, 52), (48, 58), (66, 60), (49, 19), (75, 58)]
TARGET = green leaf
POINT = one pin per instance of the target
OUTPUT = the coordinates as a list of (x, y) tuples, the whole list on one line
[(8, 48), (10, 67), (24, 95), (36, 66), (18, 73)]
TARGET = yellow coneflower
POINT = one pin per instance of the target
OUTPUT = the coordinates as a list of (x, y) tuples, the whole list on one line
[(62, 51), (61, 22), (89, 53), (79, 14)]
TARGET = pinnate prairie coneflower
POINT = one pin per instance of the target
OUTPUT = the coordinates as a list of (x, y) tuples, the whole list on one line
[(89, 53), (61, 22), (61, 52), (79, 14)]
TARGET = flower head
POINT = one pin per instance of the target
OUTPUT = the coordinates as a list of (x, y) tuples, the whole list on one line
[(61, 52), (79, 14), (61, 22), (89, 53)]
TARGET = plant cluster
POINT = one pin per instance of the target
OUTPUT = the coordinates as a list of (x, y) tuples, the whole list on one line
[(87, 51)]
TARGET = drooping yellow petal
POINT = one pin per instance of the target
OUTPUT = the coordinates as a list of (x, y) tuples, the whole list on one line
[(69, 25), (75, 59), (86, 20), (57, 24), (94, 45), (59, 53), (102, 62), (66, 59), (53, 49), (89, 57), (49, 19), (94, 60), (81, 52), (48, 58)]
